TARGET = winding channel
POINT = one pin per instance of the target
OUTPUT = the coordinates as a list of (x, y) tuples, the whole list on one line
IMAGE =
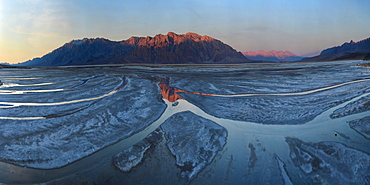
[(24, 85), (294, 93), (122, 84), (30, 91)]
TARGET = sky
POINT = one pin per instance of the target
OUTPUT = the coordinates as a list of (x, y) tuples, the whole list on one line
[(33, 28)]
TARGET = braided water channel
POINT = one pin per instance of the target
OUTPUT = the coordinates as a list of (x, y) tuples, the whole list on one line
[(234, 164)]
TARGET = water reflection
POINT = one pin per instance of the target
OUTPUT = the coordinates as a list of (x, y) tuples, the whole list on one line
[(170, 93)]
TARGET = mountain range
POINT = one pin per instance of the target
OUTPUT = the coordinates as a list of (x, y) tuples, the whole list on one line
[(348, 51), (274, 56), (189, 48)]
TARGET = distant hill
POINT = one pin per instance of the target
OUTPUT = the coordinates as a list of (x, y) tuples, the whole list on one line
[(273, 56), (362, 46), (348, 51), (189, 48), (10, 66)]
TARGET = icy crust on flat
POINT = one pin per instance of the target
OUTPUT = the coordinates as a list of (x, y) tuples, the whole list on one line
[(291, 110), (83, 129), (330, 162), (132, 156), (264, 79), (72, 85), (193, 140), (361, 105), (277, 78), (362, 126)]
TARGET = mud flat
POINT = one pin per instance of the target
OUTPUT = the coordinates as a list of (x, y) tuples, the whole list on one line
[(132, 156), (194, 141), (330, 162), (244, 124), (61, 134), (362, 126), (358, 106)]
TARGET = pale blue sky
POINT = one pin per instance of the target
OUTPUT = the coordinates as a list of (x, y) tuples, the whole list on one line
[(32, 28)]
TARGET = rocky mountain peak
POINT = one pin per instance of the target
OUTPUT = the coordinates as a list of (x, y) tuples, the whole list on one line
[(170, 38), (198, 38), (86, 41), (271, 55), (362, 46), (171, 34)]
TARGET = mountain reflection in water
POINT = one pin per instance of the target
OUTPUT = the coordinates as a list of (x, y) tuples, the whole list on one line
[(170, 93)]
